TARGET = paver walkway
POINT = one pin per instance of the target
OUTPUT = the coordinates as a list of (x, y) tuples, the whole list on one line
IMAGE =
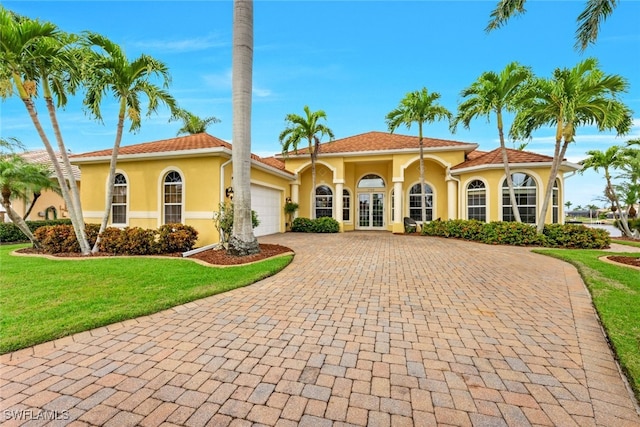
[(362, 328)]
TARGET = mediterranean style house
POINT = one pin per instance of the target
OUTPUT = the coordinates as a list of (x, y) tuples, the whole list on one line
[(366, 182)]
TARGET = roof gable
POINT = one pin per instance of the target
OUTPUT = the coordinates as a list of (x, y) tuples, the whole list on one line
[(494, 157), (182, 144), (382, 141)]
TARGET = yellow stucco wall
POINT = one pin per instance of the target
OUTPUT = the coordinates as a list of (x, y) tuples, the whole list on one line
[(493, 180), (46, 203), (145, 178)]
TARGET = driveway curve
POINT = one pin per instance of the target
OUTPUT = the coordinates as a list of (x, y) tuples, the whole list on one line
[(363, 328)]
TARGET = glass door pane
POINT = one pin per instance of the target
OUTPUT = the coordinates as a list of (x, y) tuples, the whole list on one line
[(364, 210), (377, 213)]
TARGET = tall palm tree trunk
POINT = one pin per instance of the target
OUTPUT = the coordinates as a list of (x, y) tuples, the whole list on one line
[(28, 102), (423, 196), (76, 204), (622, 220), (242, 241), (17, 219), (507, 171), (559, 154), (108, 201)]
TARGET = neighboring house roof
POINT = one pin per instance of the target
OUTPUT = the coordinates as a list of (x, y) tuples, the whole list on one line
[(196, 143), (494, 158), (42, 157), (382, 141)]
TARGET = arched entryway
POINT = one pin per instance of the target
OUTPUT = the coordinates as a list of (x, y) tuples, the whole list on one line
[(371, 203)]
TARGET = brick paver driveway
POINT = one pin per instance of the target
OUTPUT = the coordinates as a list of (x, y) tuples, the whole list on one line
[(362, 328)]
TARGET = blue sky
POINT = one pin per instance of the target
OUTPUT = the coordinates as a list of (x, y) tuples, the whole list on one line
[(353, 59)]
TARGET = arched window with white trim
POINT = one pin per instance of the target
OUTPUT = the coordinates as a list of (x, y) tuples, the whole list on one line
[(119, 200), (324, 201), (477, 200), (173, 189), (526, 197), (415, 208)]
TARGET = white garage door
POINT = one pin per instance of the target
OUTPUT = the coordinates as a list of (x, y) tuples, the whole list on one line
[(266, 202)]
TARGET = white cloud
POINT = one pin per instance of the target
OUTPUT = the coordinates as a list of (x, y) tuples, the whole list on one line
[(184, 45)]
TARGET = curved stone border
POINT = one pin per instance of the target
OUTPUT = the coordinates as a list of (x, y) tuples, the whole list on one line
[(203, 263), (608, 261)]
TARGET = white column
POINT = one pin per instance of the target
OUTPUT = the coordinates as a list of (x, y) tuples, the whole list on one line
[(295, 196), (452, 197), (397, 202), (338, 201)]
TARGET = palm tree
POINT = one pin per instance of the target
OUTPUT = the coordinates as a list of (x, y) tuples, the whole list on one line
[(568, 205), (589, 20), (242, 240), (418, 107), (309, 128), (192, 124), (495, 93), (35, 52), (17, 179), (582, 95), (111, 71), (611, 158)]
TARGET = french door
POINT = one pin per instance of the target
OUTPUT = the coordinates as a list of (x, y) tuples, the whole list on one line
[(370, 211)]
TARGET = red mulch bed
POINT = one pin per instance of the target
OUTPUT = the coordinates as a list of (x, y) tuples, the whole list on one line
[(220, 256), (211, 256), (628, 260)]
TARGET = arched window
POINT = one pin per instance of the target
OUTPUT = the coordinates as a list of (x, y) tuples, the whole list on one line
[(371, 181), (415, 208), (119, 200), (346, 205), (477, 200), (555, 200), (172, 198), (526, 195), (324, 201)]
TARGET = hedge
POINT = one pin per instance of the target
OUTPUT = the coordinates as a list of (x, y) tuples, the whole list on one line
[(169, 238), (319, 225), (10, 233), (519, 234)]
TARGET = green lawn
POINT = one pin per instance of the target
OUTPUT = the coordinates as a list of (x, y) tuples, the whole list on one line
[(43, 299), (616, 295)]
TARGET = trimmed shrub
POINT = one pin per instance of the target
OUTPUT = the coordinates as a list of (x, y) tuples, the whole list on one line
[(457, 228), (574, 236), (518, 234), (510, 233), (128, 241), (319, 225), (61, 238), (176, 238), (302, 225), (10, 233), (325, 225)]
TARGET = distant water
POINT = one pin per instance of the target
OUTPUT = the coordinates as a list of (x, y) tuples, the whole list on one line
[(613, 231)]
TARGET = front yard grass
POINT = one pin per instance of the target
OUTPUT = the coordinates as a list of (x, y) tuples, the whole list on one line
[(43, 299), (615, 291)]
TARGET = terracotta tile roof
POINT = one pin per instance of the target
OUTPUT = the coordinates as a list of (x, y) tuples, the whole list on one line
[(381, 141), (196, 141), (199, 141), (42, 157), (475, 154), (494, 157), (272, 161)]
